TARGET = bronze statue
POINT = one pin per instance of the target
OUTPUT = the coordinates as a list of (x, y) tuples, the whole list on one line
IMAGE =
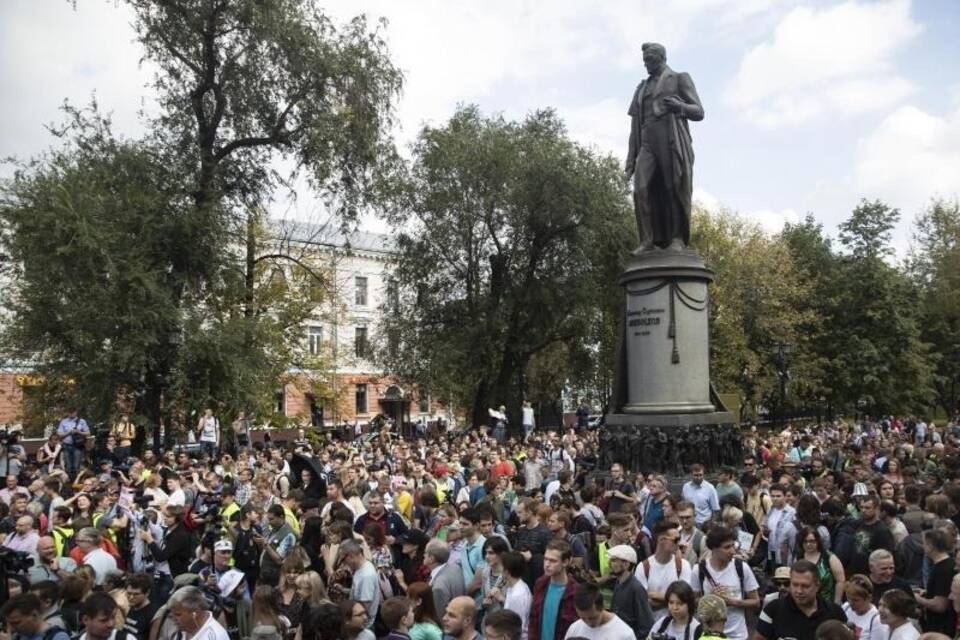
[(660, 156)]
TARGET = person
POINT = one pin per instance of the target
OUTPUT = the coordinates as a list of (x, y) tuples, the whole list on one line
[(98, 613), (527, 419), (691, 542), (124, 432), (222, 559), (23, 615), (595, 622), (620, 490), (883, 575), (553, 611), (266, 610), (801, 612), (355, 621), (896, 609), (630, 603), (502, 625), (103, 564), (531, 538), (277, 544), (460, 619), (209, 429), (491, 577), (24, 537), (49, 565), (189, 610), (664, 567), (73, 431), (701, 494), (241, 430), (365, 587), (446, 578), (938, 614), (661, 159), (810, 546), (678, 623), (516, 594), (780, 529), (141, 612), (425, 620), (870, 534), (712, 614), (729, 578), (176, 547), (49, 456), (834, 630), (861, 615), (473, 554), (390, 522), (397, 614)]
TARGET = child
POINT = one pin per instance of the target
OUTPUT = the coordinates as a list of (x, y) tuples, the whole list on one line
[(397, 615)]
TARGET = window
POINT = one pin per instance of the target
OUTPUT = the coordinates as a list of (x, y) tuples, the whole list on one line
[(361, 398), (360, 342), (280, 401), (424, 401), (393, 295), (360, 285), (314, 340)]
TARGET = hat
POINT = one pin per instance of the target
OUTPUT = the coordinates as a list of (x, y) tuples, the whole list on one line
[(623, 552), (782, 573), (230, 581), (711, 608), (416, 537), (223, 545)]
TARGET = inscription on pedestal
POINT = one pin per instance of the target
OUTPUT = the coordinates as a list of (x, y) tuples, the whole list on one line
[(647, 319)]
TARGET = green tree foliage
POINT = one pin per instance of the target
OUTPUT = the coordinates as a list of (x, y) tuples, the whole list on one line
[(512, 237), (934, 264)]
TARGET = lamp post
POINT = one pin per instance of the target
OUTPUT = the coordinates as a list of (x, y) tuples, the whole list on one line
[(783, 373)]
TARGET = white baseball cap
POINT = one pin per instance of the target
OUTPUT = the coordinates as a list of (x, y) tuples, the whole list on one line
[(623, 552)]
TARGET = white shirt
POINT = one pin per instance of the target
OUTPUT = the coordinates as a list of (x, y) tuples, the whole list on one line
[(211, 630), (208, 429), (661, 577), (616, 629), (729, 581), (678, 631), (177, 499), (527, 416), (102, 562), (905, 631), (866, 626), (519, 599)]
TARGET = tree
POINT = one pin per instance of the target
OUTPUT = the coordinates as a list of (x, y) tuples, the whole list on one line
[(508, 234)]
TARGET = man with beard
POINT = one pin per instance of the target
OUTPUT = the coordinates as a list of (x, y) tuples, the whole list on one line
[(630, 601)]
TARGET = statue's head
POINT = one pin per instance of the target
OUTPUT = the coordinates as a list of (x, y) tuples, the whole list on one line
[(654, 56)]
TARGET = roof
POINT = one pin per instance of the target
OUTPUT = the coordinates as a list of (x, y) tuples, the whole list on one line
[(332, 235)]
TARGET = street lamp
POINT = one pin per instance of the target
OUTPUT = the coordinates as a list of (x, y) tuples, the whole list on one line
[(783, 373)]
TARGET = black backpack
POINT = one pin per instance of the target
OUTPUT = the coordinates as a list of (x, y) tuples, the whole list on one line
[(582, 528), (705, 573)]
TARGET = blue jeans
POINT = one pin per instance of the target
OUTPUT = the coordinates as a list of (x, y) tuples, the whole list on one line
[(72, 458), (209, 447)]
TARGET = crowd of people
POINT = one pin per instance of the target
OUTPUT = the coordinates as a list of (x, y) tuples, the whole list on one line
[(841, 531)]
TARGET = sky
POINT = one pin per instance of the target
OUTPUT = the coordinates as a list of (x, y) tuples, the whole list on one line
[(810, 105)]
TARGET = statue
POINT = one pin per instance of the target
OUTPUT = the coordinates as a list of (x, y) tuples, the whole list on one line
[(660, 155)]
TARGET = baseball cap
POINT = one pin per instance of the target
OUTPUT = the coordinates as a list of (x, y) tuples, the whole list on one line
[(623, 552), (415, 536), (782, 573), (223, 545)]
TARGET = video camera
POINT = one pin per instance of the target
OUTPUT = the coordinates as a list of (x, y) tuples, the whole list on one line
[(14, 561)]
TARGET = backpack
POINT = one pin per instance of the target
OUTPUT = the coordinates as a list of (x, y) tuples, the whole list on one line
[(664, 624), (737, 564), (677, 563), (582, 528), (52, 631)]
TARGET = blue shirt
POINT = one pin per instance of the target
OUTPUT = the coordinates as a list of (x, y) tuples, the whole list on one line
[(69, 424), (471, 561), (551, 610), (704, 499)]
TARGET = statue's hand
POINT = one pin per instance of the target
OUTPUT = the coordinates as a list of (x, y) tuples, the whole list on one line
[(673, 104)]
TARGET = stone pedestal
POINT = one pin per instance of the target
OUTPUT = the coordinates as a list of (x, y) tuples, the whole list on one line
[(665, 417)]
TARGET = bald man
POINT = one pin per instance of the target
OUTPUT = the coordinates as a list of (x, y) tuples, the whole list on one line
[(459, 620), (49, 566), (24, 537)]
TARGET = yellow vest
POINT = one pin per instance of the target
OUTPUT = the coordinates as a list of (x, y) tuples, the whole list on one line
[(291, 518), (60, 536)]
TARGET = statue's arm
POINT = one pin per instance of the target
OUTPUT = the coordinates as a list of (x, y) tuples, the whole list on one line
[(691, 109), (634, 112)]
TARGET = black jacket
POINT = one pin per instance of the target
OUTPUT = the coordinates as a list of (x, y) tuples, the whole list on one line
[(176, 548)]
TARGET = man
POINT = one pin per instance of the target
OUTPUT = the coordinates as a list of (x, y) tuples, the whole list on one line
[(660, 156), (596, 623), (228, 505), (141, 612), (49, 594), (691, 538), (246, 553), (460, 619), (630, 601), (531, 538), (800, 613), (652, 510), (174, 551), (88, 541), (335, 493), (870, 534), (780, 528), (244, 488), (390, 522), (559, 525), (728, 485), (446, 578), (619, 490), (279, 541), (73, 431), (222, 555), (701, 494), (209, 429), (241, 430), (528, 419), (189, 611), (365, 587), (553, 610), (883, 575), (731, 579), (49, 566), (663, 568), (124, 432), (23, 616), (472, 561), (11, 489), (939, 615), (533, 467), (24, 537), (503, 624), (98, 613)]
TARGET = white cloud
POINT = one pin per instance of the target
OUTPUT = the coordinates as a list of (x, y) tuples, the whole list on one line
[(706, 199), (825, 61), (773, 221), (910, 157)]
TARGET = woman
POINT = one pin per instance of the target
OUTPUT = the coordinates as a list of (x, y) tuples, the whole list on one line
[(313, 594), (516, 594), (679, 622), (355, 621), (491, 581), (290, 603), (891, 472), (410, 567), (896, 608), (860, 610), (829, 568), (446, 515), (82, 511), (887, 491), (382, 559), (49, 455), (266, 610), (808, 515), (158, 496), (426, 622), (311, 540), (338, 576)]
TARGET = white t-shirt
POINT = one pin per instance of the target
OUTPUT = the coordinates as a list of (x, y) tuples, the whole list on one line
[(177, 499), (677, 631), (102, 562), (616, 629), (211, 630), (729, 581), (518, 599), (661, 577), (208, 429), (904, 632), (866, 626), (528, 416)]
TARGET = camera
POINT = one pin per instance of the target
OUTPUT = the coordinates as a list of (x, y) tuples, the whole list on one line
[(14, 561)]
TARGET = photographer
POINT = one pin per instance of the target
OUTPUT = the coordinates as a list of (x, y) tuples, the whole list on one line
[(74, 431), (175, 550), (246, 553), (222, 555), (12, 454), (23, 617)]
